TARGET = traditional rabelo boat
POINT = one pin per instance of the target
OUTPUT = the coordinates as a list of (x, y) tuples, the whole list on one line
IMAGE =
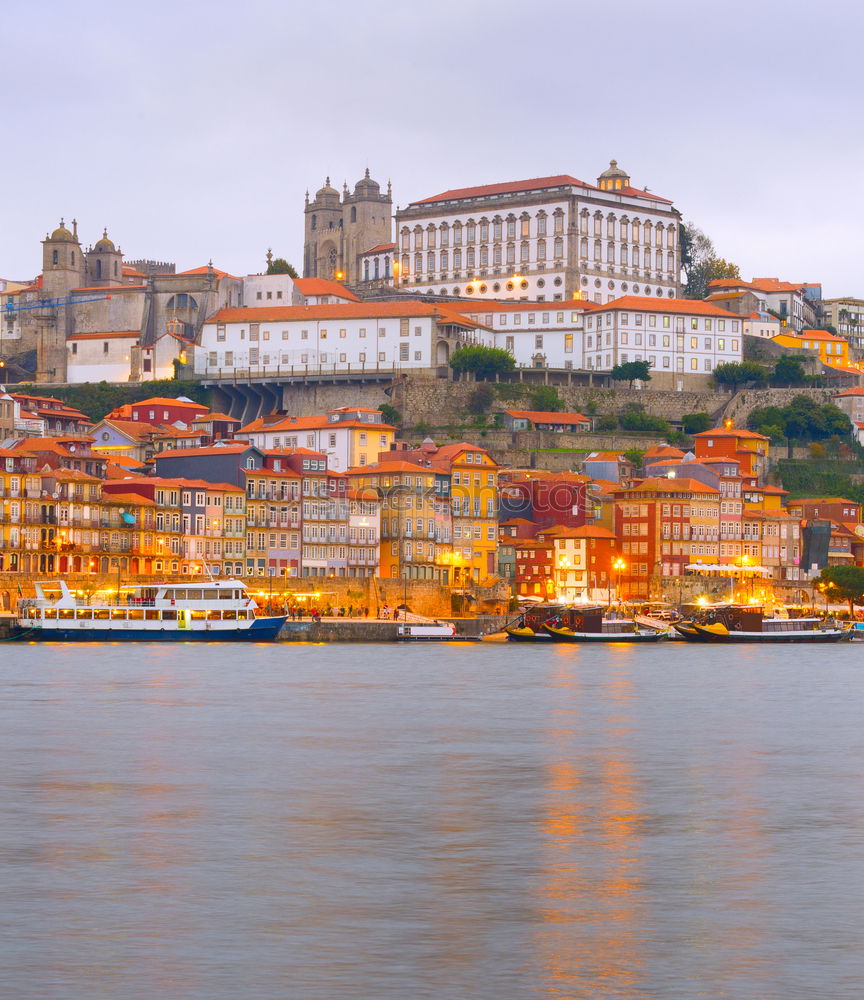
[(588, 624), (205, 611), (528, 627), (746, 623)]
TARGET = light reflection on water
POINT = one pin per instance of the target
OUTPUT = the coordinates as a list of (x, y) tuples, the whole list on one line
[(456, 822)]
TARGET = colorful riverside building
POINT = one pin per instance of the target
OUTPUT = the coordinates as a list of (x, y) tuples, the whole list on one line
[(664, 524), (747, 448), (415, 517), (473, 475)]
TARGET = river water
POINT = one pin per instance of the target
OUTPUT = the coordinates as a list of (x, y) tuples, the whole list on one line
[(466, 821)]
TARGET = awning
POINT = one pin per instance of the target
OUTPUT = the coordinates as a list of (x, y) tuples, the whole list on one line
[(719, 568)]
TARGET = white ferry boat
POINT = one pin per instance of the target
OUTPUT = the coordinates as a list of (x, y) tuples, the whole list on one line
[(209, 611)]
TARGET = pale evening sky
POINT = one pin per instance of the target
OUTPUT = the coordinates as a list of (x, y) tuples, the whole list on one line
[(192, 130)]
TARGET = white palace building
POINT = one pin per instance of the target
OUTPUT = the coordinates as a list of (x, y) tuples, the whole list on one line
[(547, 239)]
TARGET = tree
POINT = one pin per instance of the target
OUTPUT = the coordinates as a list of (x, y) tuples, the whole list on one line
[(390, 415), (629, 371), (788, 371), (483, 362), (700, 262), (733, 375), (695, 423), (844, 583), (802, 420), (634, 418), (546, 399), (281, 266)]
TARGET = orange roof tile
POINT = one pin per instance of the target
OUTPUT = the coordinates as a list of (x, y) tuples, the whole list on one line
[(546, 417), (324, 286), (532, 184), (360, 310), (644, 303), (308, 424), (736, 432), (381, 248), (206, 269), (654, 484), (114, 334)]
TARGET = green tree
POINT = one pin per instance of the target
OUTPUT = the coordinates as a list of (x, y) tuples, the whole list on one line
[(630, 371), (607, 422), (843, 583), (634, 418), (281, 266), (788, 371), (700, 262), (546, 399), (482, 362), (390, 415), (695, 423), (635, 455), (734, 375)]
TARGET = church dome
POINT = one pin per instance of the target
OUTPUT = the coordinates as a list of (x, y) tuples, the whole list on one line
[(366, 187), (62, 234), (327, 193), (105, 245), (614, 178)]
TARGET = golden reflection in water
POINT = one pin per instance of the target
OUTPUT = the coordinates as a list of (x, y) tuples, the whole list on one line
[(590, 938)]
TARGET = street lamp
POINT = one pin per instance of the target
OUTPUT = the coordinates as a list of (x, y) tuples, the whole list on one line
[(618, 567), (563, 566)]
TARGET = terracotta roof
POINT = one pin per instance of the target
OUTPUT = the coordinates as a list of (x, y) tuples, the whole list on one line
[(114, 334), (308, 424), (546, 417), (795, 503), (130, 272), (644, 303), (663, 451), (656, 484), (135, 498), (735, 432), (380, 248), (206, 269), (604, 456), (583, 531), (360, 310), (855, 391), (207, 418), (323, 286), (534, 184), (168, 401), (817, 335)]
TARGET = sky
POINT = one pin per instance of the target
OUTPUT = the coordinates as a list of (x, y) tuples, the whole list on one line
[(192, 130)]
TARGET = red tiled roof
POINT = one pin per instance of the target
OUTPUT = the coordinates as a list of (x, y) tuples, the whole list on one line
[(380, 248), (323, 286), (644, 303), (113, 335), (206, 269), (544, 417), (735, 432), (509, 187), (662, 484), (307, 424)]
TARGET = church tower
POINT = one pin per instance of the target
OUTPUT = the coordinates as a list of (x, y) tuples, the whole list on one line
[(323, 250), (104, 263), (339, 229), (368, 222), (63, 264)]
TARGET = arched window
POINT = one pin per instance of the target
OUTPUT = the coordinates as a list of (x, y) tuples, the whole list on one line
[(181, 301), (583, 248), (511, 253), (457, 234), (658, 235), (635, 256), (332, 256), (623, 253), (418, 263), (658, 260), (98, 268), (386, 267), (445, 258), (610, 253), (598, 250), (431, 237), (610, 227), (523, 251), (314, 222), (366, 270), (541, 249), (115, 268), (405, 265), (406, 238), (55, 257), (559, 248), (430, 262), (353, 213), (670, 261), (73, 258), (377, 267)]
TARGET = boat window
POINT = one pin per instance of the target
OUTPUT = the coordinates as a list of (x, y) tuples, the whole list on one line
[(136, 615), (177, 595), (229, 616), (118, 614), (250, 613), (238, 595), (151, 615), (225, 595), (214, 616), (210, 595), (84, 614), (101, 614), (66, 613), (193, 595), (49, 612), (198, 615), (169, 616)]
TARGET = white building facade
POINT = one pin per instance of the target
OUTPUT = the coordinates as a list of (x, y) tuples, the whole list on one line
[(544, 239), (684, 340), (387, 336)]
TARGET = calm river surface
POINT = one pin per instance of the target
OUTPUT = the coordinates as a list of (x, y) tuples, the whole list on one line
[(466, 821)]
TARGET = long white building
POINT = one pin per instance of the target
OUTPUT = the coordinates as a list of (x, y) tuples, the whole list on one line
[(384, 336), (546, 239), (683, 339)]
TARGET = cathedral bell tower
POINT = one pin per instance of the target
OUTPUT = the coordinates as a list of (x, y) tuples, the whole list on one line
[(63, 264), (104, 263)]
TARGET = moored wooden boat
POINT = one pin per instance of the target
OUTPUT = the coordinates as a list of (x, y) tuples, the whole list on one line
[(528, 627), (589, 625), (749, 624)]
